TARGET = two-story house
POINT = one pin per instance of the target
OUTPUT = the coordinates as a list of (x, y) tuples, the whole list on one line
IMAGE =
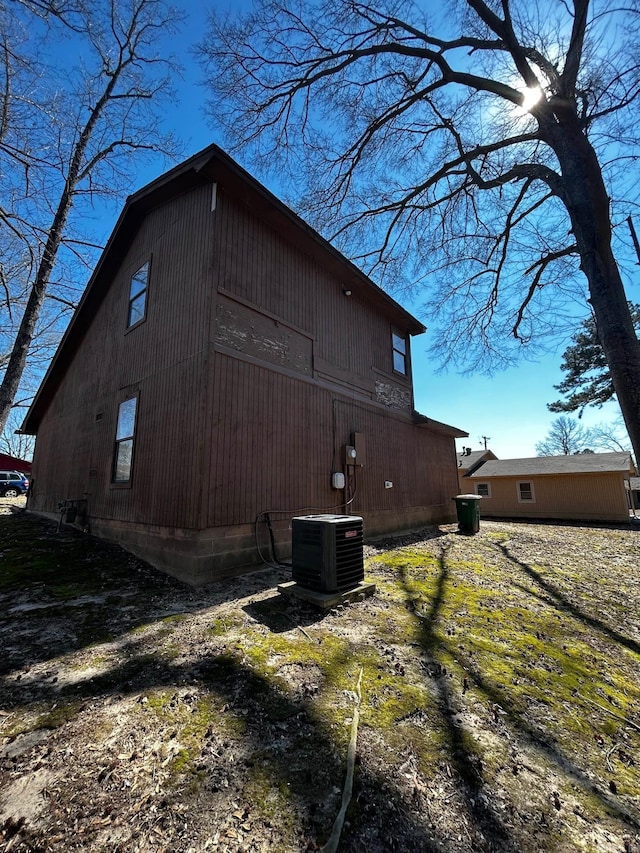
[(224, 363)]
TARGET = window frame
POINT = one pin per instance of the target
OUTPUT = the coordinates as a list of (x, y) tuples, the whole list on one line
[(479, 485), (402, 353), (528, 483), (121, 439), (143, 293)]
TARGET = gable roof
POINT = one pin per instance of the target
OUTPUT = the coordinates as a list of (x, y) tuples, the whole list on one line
[(580, 463), (210, 165), (469, 461)]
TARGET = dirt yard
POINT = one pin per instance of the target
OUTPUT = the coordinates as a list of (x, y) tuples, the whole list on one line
[(500, 699)]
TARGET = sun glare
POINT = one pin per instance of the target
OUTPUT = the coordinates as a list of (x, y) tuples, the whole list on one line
[(530, 98)]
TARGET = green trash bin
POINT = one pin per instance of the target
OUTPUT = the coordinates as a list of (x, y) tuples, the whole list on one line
[(468, 510)]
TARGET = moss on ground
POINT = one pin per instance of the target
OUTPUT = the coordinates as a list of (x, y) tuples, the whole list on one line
[(478, 669), (39, 716), (542, 665)]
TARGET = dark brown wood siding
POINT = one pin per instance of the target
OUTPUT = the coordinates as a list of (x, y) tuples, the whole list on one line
[(278, 439), (252, 371), (272, 444), (299, 367), (352, 339), (162, 360), (416, 460)]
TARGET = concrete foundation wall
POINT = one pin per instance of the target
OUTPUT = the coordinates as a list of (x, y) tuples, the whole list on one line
[(202, 557)]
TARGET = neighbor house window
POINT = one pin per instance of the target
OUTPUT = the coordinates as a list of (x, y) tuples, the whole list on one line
[(123, 455), (484, 490), (399, 344), (525, 492), (138, 295)]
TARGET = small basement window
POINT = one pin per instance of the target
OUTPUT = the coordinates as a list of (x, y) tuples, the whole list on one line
[(123, 453), (138, 296), (399, 344), (483, 489), (526, 493)]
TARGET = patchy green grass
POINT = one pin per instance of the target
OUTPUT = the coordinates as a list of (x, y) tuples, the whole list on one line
[(559, 676), (500, 691), (38, 716)]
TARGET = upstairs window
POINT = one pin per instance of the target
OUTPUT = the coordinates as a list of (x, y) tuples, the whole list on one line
[(399, 344), (138, 295), (123, 453)]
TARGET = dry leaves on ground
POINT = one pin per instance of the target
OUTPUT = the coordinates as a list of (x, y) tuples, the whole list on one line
[(500, 698)]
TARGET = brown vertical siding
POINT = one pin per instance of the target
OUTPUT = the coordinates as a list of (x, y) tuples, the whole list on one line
[(255, 263), (252, 371), (162, 359), (278, 436), (414, 459), (271, 435)]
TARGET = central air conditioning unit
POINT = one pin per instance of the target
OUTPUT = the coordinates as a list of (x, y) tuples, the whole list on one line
[(326, 552)]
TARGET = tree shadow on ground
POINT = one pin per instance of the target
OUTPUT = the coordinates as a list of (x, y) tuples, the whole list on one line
[(463, 756), (283, 734), (465, 761), (284, 738), (62, 591), (559, 600)]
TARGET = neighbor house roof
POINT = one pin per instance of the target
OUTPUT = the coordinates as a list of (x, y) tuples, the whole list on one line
[(12, 463), (469, 461), (210, 165), (580, 463)]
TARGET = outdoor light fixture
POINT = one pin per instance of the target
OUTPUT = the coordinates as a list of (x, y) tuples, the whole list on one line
[(347, 292)]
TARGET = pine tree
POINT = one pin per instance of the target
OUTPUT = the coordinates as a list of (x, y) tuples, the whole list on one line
[(587, 381)]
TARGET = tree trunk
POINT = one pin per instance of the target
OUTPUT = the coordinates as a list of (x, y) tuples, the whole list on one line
[(125, 54), (22, 344), (18, 358), (618, 338), (587, 202)]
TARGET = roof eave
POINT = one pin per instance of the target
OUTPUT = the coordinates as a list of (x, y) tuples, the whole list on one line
[(437, 426)]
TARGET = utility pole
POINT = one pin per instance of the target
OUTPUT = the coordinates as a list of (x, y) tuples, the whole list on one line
[(485, 438), (634, 237)]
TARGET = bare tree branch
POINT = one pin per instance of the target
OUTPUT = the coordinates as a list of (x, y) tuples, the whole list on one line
[(472, 160), (569, 76), (91, 121), (541, 266), (56, 298)]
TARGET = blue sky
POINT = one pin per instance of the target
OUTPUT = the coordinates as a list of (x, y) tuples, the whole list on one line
[(509, 408)]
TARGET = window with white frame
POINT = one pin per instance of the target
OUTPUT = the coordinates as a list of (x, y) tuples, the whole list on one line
[(526, 493), (483, 489), (123, 452), (138, 295)]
